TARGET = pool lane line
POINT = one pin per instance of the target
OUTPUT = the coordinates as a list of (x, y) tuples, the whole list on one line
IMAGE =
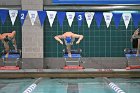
[(32, 86), (72, 88), (113, 86)]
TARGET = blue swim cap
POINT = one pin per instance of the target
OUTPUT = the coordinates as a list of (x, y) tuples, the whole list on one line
[(68, 39)]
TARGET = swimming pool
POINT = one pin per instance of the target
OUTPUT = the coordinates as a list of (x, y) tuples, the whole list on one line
[(62, 85)]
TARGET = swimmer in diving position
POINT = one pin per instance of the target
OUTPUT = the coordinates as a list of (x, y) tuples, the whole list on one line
[(6, 38), (69, 38), (136, 41)]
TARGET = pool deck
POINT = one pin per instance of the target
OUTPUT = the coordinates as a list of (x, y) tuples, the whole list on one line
[(61, 73)]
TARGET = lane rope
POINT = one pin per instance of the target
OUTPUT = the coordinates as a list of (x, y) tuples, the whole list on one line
[(112, 85), (115, 88), (32, 86)]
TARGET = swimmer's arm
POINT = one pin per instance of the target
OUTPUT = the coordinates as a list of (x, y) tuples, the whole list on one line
[(78, 36), (58, 38), (1, 37), (12, 35), (135, 34)]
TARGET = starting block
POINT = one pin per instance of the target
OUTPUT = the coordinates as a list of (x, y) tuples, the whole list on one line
[(74, 61), (133, 60), (73, 67), (9, 68), (12, 62)]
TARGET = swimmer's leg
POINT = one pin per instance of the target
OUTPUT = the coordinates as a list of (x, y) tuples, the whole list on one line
[(69, 50), (7, 48), (138, 49), (14, 43)]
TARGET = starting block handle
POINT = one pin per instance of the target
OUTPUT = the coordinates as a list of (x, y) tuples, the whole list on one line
[(78, 51), (11, 52), (130, 51), (72, 56)]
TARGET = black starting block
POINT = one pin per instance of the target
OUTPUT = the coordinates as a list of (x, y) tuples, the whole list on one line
[(13, 61), (133, 60), (75, 58)]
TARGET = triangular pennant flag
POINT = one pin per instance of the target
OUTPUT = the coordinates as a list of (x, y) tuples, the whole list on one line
[(89, 17), (136, 19), (51, 16), (80, 17), (108, 18), (70, 17), (32, 15), (117, 18), (3, 15), (98, 17), (42, 16), (13, 15), (61, 17), (22, 15), (126, 18)]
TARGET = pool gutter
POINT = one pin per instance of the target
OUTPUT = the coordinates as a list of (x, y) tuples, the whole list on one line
[(61, 73)]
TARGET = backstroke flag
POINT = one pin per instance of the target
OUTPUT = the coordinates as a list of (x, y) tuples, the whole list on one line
[(70, 17), (117, 18), (89, 17), (22, 15), (98, 18), (32, 15), (3, 15), (61, 17), (136, 19), (42, 16), (13, 15), (107, 17), (126, 18), (80, 17), (51, 16)]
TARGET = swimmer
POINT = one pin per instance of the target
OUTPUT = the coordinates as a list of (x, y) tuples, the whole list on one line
[(6, 38), (136, 41), (69, 38)]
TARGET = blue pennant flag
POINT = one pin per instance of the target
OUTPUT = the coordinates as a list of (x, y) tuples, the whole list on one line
[(117, 18), (42, 16), (22, 15), (98, 17), (79, 17), (61, 17), (3, 15), (136, 19)]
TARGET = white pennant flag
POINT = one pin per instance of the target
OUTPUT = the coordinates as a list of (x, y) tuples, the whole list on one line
[(13, 15), (32, 15), (89, 17), (107, 17), (126, 18), (51, 16), (70, 17)]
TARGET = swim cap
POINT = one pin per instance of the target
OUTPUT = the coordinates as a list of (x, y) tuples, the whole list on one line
[(68, 39)]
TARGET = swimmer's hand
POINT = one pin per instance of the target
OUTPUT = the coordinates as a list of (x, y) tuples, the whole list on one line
[(69, 55), (6, 56), (61, 42), (78, 42)]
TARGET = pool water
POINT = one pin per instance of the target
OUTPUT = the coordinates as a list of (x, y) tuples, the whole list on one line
[(14, 85), (85, 85)]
